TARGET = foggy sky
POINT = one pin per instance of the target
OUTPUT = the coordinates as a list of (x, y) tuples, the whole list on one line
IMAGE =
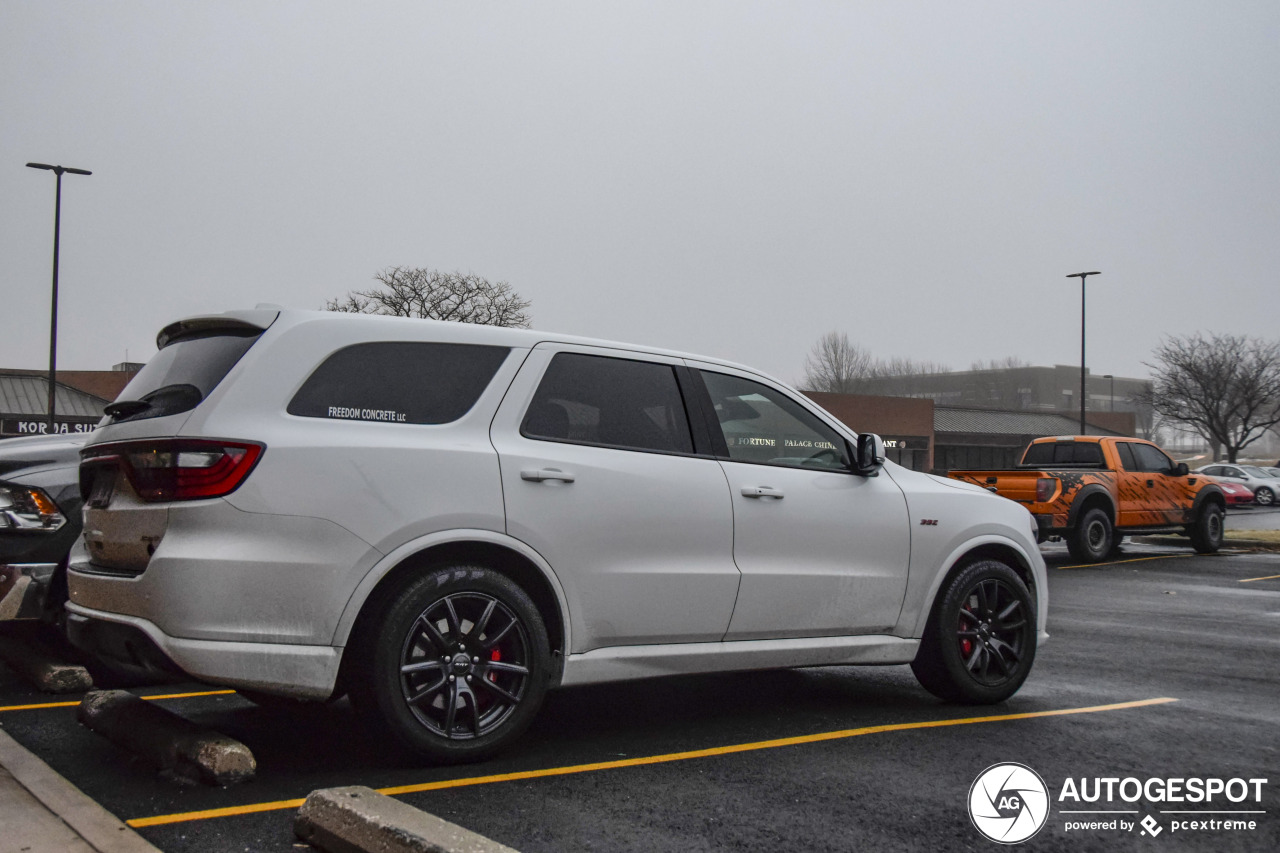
[(733, 179)]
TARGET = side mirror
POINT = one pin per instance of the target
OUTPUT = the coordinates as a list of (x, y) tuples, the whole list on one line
[(1181, 470), (869, 456)]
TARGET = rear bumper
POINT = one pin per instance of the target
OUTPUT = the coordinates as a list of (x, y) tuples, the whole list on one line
[(303, 672), (24, 588)]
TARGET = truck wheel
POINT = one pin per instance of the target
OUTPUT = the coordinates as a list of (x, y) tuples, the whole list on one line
[(453, 666), (1091, 540), (1206, 533), (981, 639)]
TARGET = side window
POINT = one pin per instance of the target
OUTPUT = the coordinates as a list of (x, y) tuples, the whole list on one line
[(613, 402), (761, 425), (1214, 471), (1127, 460), (1152, 460), (398, 382)]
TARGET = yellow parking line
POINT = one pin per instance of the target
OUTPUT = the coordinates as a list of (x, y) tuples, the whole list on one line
[(1267, 578), (1134, 560), (148, 698), (230, 811)]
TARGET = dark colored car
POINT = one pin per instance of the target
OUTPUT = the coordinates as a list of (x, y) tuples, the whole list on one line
[(39, 521)]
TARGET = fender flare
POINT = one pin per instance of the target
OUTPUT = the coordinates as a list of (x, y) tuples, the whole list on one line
[(1210, 493), (360, 595), (1085, 494), (958, 553)]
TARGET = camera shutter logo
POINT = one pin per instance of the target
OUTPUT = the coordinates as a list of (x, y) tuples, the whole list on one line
[(1008, 803)]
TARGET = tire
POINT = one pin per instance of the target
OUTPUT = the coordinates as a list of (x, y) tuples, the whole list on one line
[(1117, 544), (1091, 540), (1207, 532), (1264, 496), (453, 666), (980, 642)]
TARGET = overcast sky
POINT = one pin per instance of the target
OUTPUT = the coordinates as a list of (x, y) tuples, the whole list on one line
[(733, 179)]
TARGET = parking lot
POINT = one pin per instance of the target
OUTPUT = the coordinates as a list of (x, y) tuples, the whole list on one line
[(1161, 665)]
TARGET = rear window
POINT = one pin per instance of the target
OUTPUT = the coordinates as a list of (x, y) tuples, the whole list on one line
[(1063, 453), (182, 374), (399, 382)]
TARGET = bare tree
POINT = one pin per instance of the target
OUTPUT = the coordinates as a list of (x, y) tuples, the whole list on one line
[(435, 295), (1225, 387), (836, 364)]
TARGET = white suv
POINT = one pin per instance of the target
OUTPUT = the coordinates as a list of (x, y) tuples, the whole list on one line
[(446, 520)]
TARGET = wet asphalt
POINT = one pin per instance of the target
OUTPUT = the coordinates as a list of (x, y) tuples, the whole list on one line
[(1157, 623)]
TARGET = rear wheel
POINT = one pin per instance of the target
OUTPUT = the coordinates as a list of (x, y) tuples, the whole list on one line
[(454, 666), (1206, 533), (1264, 496), (981, 640), (1091, 540)]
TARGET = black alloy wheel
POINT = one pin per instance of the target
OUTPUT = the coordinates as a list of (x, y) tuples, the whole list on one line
[(1091, 540), (1207, 532), (464, 665), (452, 664), (981, 641)]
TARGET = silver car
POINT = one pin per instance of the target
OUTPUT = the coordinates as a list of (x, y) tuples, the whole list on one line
[(1264, 486), (447, 520)]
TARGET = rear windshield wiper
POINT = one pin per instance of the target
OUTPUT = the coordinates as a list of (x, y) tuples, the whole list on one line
[(169, 400)]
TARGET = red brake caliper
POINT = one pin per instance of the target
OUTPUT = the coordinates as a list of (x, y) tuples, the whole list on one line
[(966, 644), (494, 655)]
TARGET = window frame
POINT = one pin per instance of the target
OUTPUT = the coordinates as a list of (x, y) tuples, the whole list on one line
[(697, 442), (720, 447)]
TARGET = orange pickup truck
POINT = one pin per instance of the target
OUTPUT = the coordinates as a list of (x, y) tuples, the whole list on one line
[(1093, 490)]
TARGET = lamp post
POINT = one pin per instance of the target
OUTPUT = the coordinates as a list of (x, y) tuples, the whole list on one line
[(53, 326), (1113, 389), (1083, 276)]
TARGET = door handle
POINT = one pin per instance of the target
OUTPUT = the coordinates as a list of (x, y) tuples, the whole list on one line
[(546, 474), (761, 492), (1151, 484)]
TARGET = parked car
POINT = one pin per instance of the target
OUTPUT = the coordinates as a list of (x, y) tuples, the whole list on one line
[(39, 521), (1093, 490), (1235, 493), (1274, 472), (1264, 487), (447, 520)]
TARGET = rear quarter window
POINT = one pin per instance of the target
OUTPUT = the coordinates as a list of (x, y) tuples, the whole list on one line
[(398, 382)]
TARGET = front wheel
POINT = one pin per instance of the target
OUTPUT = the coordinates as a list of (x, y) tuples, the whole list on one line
[(1206, 533), (1091, 540), (454, 666), (981, 639), (1264, 496)]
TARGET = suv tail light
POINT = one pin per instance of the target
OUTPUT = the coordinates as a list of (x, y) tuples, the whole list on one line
[(171, 469), (1045, 487)]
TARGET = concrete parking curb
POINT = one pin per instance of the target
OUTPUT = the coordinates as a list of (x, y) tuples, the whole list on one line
[(360, 820), (41, 811), (177, 746), (37, 665)]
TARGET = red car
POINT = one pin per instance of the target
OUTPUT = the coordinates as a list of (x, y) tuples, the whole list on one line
[(1235, 493)]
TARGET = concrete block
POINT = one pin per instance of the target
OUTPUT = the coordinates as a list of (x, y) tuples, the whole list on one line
[(177, 746), (360, 820), (38, 665)]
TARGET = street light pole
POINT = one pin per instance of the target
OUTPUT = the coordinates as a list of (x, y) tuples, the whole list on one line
[(1083, 276), (53, 325)]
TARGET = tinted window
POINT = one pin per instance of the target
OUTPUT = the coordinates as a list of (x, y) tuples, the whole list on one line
[(763, 425), (1152, 460), (1064, 453), (1127, 460), (407, 383), (615, 402), (182, 374)]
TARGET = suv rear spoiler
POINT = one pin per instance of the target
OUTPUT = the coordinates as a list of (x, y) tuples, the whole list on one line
[(257, 320)]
